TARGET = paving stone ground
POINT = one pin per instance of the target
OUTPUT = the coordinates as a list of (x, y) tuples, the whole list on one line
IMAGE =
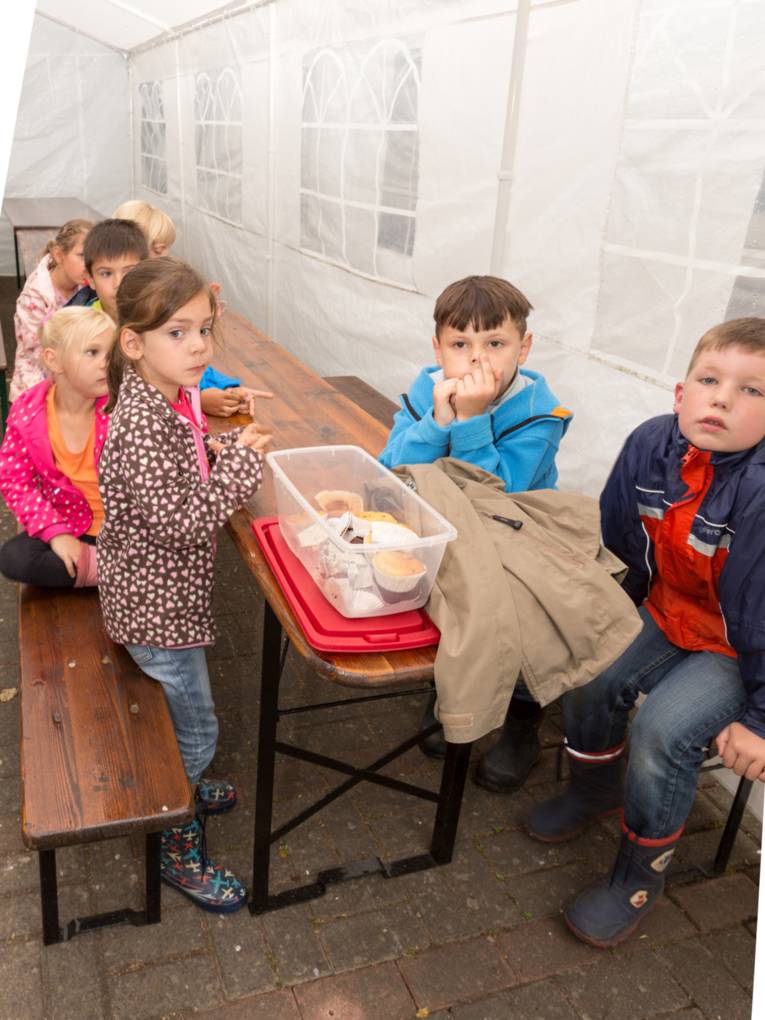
[(479, 939)]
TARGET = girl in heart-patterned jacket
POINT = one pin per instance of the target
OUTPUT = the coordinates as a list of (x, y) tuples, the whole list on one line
[(167, 488)]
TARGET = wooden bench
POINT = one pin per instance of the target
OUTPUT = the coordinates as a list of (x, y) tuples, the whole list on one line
[(365, 396), (99, 757)]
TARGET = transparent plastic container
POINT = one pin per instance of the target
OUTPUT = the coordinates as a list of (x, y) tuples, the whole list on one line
[(371, 544)]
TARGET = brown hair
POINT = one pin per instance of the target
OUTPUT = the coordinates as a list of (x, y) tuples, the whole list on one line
[(66, 238), (112, 239), (156, 224), (484, 302), (149, 295), (748, 334)]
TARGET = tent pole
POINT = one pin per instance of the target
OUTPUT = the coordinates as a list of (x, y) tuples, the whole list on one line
[(271, 171), (505, 174)]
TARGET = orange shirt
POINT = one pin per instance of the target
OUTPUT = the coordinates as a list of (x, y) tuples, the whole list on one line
[(80, 467)]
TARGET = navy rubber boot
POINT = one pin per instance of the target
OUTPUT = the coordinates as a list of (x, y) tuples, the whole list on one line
[(214, 796), (184, 864), (505, 766), (595, 791), (608, 912)]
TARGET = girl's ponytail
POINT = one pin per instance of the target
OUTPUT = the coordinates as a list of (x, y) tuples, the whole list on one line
[(66, 238)]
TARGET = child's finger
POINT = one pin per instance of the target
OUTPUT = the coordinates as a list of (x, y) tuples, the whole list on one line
[(262, 393)]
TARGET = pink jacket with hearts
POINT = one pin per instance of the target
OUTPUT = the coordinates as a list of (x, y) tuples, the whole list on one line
[(44, 500), (156, 549)]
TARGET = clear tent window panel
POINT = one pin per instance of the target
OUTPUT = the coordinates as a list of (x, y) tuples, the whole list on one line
[(218, 143), (153, 137), (360, 156)]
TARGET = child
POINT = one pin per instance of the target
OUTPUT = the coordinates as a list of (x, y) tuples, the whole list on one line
[(222, 395), (684, 508), (49, 455), (111, 250), (478, 405), (58, 275), (164, 503), (156, 225)]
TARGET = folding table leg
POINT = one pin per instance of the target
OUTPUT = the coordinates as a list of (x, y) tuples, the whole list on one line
[(18, 263), (731, 826), (450, 801), (264, 791), (49, 897)]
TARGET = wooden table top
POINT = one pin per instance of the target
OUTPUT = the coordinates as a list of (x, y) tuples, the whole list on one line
[(44, 213), (305, 411)]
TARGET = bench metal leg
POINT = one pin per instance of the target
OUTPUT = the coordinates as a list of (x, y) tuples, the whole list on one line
[(18, 263), (264, 794), (731, 826), (450, 801), (153, 884), (49, 897)]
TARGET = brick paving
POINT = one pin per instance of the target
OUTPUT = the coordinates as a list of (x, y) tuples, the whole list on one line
[(479, 939)]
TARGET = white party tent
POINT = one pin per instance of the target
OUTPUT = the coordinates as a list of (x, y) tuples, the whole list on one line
[(335, 164)]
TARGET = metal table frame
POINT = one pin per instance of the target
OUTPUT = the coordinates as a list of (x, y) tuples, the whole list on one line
[(448, 800)]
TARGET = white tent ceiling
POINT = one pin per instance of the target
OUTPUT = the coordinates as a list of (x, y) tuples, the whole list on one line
[(125, 26)]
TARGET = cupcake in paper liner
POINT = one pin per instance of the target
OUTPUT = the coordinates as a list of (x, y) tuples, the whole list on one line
[(398, 574)]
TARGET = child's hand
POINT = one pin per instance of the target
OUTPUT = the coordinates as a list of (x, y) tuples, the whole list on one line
[(247, 398), (252, 436), (67, 548), (476, 390), (443, 401), (742, 750), (219, 403)]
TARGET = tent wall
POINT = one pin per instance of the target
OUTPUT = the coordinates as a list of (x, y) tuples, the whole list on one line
[(335, 165)]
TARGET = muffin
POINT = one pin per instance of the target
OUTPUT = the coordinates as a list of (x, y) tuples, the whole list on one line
[(398, 574), (339, 501)]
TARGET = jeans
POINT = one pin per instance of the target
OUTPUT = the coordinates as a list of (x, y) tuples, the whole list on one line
[(690, 697), (183, 675)]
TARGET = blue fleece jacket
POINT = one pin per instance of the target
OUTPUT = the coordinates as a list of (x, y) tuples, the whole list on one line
[(518, 442)]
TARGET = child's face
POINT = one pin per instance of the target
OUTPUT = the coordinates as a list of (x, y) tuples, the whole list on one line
[(107, 274), (176, 353), (157, 249), (458, 351), (84, 370), (721, 405), (71, 264)]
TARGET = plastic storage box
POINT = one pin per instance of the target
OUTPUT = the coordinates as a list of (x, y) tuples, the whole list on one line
[(370, 543)]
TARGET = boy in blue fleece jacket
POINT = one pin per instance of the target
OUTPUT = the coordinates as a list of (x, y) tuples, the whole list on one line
[(478, 405)]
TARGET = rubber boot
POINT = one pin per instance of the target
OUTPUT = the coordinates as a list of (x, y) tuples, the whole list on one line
[(214, 796), (506, 766), (185, 865), (595, 790), (607, 913), (435, 744)]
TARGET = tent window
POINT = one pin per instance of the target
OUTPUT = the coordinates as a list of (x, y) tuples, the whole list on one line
[(153, 137), (218, 142), (360, 157)]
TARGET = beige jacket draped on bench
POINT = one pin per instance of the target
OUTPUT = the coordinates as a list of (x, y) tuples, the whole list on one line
[(542, 600)]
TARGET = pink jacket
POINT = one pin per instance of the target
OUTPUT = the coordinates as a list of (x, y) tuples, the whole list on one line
[(43, 499), (37, 301)]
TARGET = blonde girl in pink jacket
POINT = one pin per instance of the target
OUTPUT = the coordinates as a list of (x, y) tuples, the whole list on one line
[(57, 277), (48, 458)]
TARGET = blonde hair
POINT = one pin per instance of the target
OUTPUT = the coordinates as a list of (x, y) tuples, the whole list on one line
[(156, 225), (66, 238), (74, 328)]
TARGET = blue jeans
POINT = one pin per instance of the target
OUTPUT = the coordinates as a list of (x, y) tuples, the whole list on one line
[(690, 697), (183, 675)]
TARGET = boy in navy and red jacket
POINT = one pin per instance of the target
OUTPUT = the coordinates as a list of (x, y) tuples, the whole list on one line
[(684, 507)]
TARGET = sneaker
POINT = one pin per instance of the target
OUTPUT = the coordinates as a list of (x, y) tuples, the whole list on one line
[(214, 796), (185, 866)]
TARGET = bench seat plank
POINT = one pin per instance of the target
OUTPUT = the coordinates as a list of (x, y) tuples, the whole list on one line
[(98, 752)]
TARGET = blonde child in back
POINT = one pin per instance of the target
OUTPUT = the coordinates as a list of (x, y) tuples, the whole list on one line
[(58, 276), (167, 488), (156, 225), (49, 456)]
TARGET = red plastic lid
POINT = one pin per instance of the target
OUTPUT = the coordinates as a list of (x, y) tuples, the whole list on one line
[(325, 629)]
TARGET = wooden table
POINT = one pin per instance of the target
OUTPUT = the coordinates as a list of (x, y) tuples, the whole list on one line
[(43, 214), (307, 411)]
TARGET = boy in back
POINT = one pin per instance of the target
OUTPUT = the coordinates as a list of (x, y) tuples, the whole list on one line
[(115, 247), (684, 508), (477, 404)]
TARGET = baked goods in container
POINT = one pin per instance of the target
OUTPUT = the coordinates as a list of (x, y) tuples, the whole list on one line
[(398, 574), (339, 501)]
